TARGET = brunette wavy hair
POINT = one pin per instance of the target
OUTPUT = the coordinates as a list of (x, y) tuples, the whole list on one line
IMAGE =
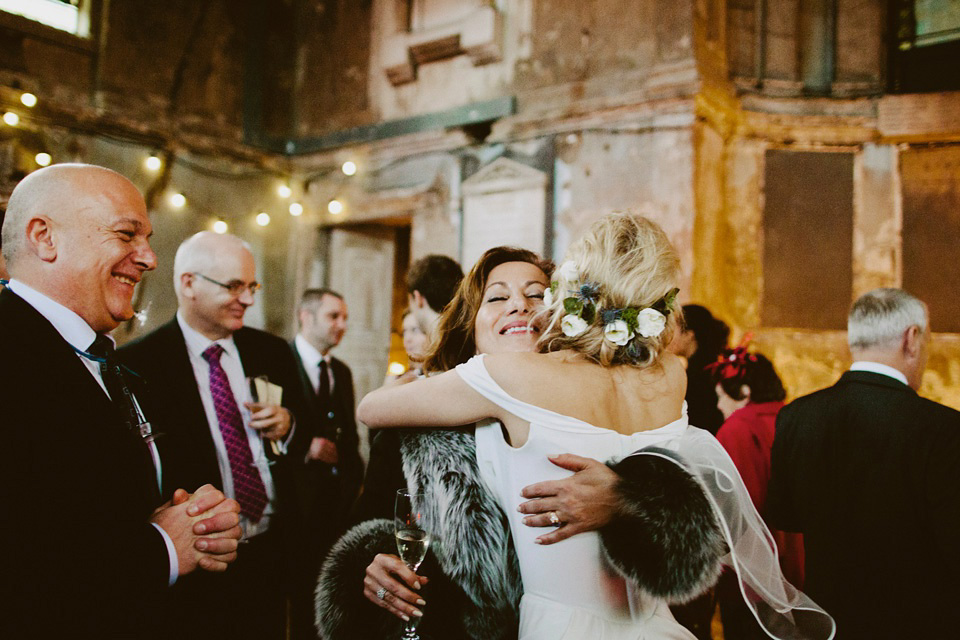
[(454, 342)]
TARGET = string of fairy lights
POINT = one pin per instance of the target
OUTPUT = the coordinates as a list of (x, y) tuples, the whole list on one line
[(177, 199)]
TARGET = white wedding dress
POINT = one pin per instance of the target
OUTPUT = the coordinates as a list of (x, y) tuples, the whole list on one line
[(569, 593)]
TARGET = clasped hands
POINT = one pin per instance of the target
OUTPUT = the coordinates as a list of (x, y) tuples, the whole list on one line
[(204, 527), (585, 501)]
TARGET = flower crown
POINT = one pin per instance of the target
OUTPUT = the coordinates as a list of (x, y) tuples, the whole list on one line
[(621, 326), (732, 363)]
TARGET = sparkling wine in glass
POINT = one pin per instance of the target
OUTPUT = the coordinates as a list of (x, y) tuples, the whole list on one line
[(413, 539)]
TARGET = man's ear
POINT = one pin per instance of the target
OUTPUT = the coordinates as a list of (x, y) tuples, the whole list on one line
[(40, 238), (186, 284), (912, 341)]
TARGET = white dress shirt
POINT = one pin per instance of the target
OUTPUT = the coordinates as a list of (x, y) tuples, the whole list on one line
[(311, 362), (197, 343), (882, 369), (80, 336)]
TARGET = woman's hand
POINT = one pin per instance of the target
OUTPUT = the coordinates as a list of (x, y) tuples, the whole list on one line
[(384, 576), (585, 501)]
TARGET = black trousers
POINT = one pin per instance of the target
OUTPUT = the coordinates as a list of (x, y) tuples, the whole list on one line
[(247, 601)]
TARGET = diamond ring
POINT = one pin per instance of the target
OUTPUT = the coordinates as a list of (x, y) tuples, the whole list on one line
[(381, 593), (554, 518)]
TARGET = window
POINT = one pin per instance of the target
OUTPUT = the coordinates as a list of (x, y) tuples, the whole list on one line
[(65, 15), (925, 45)]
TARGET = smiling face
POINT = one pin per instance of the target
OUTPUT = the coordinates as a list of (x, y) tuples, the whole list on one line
[(208, 307), (512, 294), (103, 249)]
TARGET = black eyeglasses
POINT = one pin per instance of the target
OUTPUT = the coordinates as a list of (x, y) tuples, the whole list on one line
[(235, 287)]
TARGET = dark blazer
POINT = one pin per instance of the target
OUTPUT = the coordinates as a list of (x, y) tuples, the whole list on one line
[(78, 488), (350, 466), (867, 471), (174, 407)]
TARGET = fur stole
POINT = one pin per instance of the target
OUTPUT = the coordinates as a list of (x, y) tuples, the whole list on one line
[(470, 543), (666, 538)]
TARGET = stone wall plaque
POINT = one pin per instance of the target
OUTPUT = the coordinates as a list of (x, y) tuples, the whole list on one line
[(919, 114), (503, 204)]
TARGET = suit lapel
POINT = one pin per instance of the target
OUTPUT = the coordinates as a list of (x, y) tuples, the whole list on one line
[(188, 416)]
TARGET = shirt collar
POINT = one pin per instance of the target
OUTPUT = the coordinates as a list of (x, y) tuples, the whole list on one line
[(882, 369), (197, 343), (68, 324), (308, 353)]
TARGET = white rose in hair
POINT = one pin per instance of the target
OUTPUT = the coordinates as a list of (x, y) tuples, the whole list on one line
[(572, 325), (650, 323), (617, 332), (569, 272), (547, 298)]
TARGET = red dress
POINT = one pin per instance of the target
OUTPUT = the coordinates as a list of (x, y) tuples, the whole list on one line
[(747, 435)]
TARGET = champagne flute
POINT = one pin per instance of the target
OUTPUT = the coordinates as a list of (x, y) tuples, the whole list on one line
[(413, 538), (254, 395)]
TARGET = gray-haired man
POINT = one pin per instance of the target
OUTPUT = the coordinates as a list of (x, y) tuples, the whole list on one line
[(866, 470)]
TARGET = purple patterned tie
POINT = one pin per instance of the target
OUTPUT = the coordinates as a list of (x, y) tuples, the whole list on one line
[(247, 483)]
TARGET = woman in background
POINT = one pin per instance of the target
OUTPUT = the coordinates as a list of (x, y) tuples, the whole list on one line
[(750, 394)]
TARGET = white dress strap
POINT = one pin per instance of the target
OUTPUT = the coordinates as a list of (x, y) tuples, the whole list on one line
[(474, 373)]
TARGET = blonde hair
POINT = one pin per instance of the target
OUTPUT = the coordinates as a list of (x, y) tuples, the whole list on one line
[(631, 263)]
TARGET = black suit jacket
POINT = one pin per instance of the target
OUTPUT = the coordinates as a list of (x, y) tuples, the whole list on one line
[(349, 466), (173, 405), (77, 489), (867, 470)]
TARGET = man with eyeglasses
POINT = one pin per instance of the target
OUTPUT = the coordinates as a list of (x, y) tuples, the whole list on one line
[(199, 368)]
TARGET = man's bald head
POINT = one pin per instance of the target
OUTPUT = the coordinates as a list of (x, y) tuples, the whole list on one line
[(215, 279), (52, 192), (80, 235), (199, 252)]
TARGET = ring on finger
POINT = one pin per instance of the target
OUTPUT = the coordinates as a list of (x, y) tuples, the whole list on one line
[(381, 593), (554, 518)]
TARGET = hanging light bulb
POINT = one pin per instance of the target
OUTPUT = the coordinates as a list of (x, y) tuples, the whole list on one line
[(220, 226), (152, 163), (349, 168), (11, 118), (296, 209), (43, 159), (335, 207), (263, 218), (178, 200), (284, 191), (28, 100)]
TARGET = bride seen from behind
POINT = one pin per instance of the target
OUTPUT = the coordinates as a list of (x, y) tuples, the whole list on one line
[(603, 386)]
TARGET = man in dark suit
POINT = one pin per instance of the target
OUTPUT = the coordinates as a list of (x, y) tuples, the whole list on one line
[(332, 470), (89, 551), (197, 368), (867, 471)]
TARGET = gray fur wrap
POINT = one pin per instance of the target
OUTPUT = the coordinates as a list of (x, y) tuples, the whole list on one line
[(472, 536)]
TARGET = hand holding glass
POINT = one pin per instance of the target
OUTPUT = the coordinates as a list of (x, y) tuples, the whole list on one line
[(413, 539)]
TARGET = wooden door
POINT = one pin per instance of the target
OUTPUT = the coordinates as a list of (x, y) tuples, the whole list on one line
[(361, 263)]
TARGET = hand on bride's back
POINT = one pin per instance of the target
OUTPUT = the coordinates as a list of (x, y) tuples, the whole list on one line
[(585, 501), (399, 584)]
